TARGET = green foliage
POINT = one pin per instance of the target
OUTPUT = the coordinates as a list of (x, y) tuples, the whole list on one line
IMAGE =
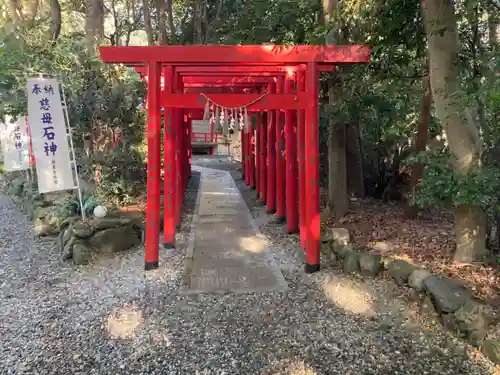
[(100, 98), (441, 186), (122, 177), (71, 206), (278, 22)]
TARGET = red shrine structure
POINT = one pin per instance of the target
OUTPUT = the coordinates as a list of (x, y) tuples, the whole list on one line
[(278, 85)]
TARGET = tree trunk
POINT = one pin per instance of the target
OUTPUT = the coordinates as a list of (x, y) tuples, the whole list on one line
[(198, 22), (337, 171), (171, 26), (417, 170), (463, 137), (55, 13), (94, 22), (147, 22), (354, 162), (15, 11), (337, 175), (493, 22), (162, 22), (32, 10)]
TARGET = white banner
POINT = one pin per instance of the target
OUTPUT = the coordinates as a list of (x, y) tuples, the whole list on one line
[(49, 135), (15, 144)]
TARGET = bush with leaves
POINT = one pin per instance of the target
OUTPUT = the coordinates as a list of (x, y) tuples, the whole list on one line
[(442, 187), (100, 98)]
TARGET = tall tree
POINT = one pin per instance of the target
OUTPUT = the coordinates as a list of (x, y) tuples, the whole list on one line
[(417, 169), (94, 22), (147, 22), (55, 13), (162, 22), (171, 24), (337, 170), (462, 133)]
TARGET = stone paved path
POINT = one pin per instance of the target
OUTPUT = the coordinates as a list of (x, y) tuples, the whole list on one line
[(227, 252)]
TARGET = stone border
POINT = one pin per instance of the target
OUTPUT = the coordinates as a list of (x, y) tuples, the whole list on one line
[(189, 253), (452, 302)]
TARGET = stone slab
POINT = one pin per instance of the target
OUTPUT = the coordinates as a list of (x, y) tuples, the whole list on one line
[(226, 251)]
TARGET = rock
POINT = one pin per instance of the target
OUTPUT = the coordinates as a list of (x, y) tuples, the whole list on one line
[(326, 248), (16, 187), (67, 252), (81, 254), (400, 270), (341, 251), (66, 236), (351, 262), (53, 216), (476, 338), (370, 264), (82, 230), (491, 349), (327, 253), (339, 236), (473, 320), (325, 239), (115, 239), (42, 212), (56, 218), (108, 223), (428, 307), (447, 295), (43, 229), (417, 277)]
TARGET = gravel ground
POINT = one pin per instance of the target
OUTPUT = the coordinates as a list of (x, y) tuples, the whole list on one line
[(112, 318)]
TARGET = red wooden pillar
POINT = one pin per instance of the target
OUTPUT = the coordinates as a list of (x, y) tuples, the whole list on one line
[(154, 165), (271, 157), (190, 143), (263, 159), (181, 150), (292, 212), (213, 138), (258, 147), (185, 151), (169, 165), (280, 158), (246, 135), (179, 188), (243, 155), (252, 154), (312, 170), (301, 162)]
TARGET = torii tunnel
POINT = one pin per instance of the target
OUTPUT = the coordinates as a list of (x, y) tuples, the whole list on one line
[(279, 85)]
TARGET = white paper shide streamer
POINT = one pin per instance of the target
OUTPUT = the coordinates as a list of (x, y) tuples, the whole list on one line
[(226, 119)]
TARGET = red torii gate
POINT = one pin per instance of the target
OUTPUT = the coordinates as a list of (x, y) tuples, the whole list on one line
[(172, 59), (273, 188), (276, 167)]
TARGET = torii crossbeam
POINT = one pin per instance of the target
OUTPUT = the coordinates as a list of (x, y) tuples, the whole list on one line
[(175, 61)]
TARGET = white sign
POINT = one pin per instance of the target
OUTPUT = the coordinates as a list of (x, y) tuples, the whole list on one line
[(15, 144), (49, 135)]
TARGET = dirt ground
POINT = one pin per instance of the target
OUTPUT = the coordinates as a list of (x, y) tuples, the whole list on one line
[(428, 241)]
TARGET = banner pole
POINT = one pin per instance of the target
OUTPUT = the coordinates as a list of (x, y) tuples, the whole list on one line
[(29, 175), (69, 134)]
